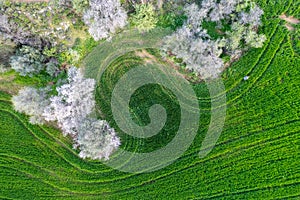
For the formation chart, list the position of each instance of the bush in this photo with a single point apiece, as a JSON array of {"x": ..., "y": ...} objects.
[
  {"x": 171, "y": 20},
  {"x": 27, "y": 61},
  {"x": 80, "y": 5},
  {"x": 144, "y": 18},
  {"x": 52, "y": 69},
  {"x": 4, "y": 68}
]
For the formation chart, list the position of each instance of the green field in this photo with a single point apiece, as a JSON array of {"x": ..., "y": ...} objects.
[{"x": 256, "y": 157}]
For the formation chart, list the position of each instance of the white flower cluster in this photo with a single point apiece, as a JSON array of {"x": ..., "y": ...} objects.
[
  {"x": 71, "y": 109},
  {"x": 199, "y": 51},
  {"x": 104, "y": 18}
]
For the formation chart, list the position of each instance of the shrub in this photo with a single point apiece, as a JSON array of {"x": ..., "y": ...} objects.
[
  {"x": 171, "y": 20},
  {"x": 80, "y": 5},
  {"x": 52, "y": 68},
  {"x": 27, "y": 61},
  {"x": 144, "y": 18},
  {"x": 4, "y": 68}
]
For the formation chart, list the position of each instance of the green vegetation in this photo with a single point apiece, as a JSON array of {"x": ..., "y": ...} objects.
[
  {"x": 144, "y": 18},
  {"x": 256, "y": 157},
  {"x": 5, "y": 52},
  {"x": 170, "y": 20},
  {"x": 39, "y": 24},
  {"x": 139, "y": 105}
]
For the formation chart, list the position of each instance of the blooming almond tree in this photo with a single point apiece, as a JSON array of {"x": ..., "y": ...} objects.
[
  {"x": 201, "y": 51},
  {"x": 104, "y": 17},
  {"x": 74, "y": 102},
  {"x": 32, "y": 102},
  {"x": 71, "y": 109},
  {"x": 96, "y": 139},
  {"x": 200, "y": 54}
]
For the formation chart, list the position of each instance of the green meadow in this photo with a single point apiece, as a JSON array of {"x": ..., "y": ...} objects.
[{"x": 256, "y": 157}]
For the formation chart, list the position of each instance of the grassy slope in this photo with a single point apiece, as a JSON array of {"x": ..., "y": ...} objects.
[{"x": 257, "y": 155}]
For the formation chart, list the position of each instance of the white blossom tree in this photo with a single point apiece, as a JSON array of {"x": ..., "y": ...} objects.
[
  {"x": 32, "y": 102},
  {"x": 74, "y": 102},
  {"x": 195, "y": 16},
  {"x": 254, "y": 40},
  {"x": 104, "y": 17},
  {"x": 234, "y": 37},
  {"x": 252, "y": 17},
  {"x": 220, "y": 10},
  {"x": 10, "y": 30},
  {"x": 202, "y": 54},
  {"x": 96, "y": 139},
  {"x": 71, "y": 108}
]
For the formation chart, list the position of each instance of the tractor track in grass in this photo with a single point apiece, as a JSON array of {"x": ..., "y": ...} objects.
[
  {"x": 197, "y": 163},
  {"x": 36, "y": 137},
  {"x": 256, "y": 62},
  {"x": 232, "y": 101},
  {"x": 38, "y": 178},
  {"x": 47, "y": 145},
  {"x": 241, "y": 152},
  {"x": 222, "y": 144},
  {"x": 161, "y": 177},
  {"x": 297, "y": 196},
  {"x": 254, "y": 190}
]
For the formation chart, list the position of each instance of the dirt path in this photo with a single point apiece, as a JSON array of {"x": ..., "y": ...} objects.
[
  {"x": 290, "y": 21},
  {"x": 150, "y": 59}
]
